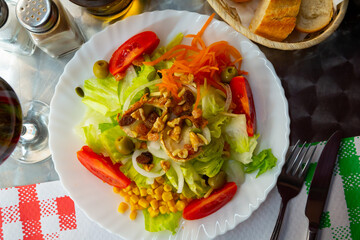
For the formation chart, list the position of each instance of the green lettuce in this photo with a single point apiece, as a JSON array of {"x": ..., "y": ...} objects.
[
  {"x": 166, "y": 64},
  {"x": 263, "y": 161},
  {"x": 107, "y": 139},
  {"x": 134, "y": 80},
  {"x": 209, "y": 162},
  {"x": 193, "y": 180},
  {"x": 242, "y": 146},
  {"x": 102, "y": 95},
  {"x": 129, "y": 170},
  {"x": 235, "y": 171},
  {"x": 162, "y": 222}
]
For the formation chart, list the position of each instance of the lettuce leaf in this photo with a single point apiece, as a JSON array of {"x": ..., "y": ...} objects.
[
  {"x": 242, "y": 146},
  {"x": 130, "y": 172},
  {"x": 194, "y": 181},
  {"x": 134, "y": 80},
  {"x": 235, "y": 171},
  {"x": 102, "y": 95},
  {"x": 263, "y": 162},
  {"x": 162, "y": 222},
  {"x": 107, "y": 139}
]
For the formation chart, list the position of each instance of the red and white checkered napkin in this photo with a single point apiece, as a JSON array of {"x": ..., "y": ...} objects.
[{"x": 44, "y": 211}]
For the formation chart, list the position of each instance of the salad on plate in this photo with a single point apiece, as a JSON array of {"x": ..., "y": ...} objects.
[{"x": 171, "y": 128}]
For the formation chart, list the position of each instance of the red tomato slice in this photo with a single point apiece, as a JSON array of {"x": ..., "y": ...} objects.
[
  {"x": 102, "y": 167},
  {"x": 144, "y": 42},
  {"x": 203, "y": 207},
  {"x": 243, "y": 98}
]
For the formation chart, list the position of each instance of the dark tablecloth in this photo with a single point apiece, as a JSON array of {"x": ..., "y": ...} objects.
[{"x": 322, "y": 83}]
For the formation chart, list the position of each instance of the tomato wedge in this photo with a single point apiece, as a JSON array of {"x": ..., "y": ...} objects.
[
  {"x": 144, "y": 42},
  {"x": 102, "y": 167},
  {"x": 243, "y": 98},
  {"x": 203, "y": 207}
]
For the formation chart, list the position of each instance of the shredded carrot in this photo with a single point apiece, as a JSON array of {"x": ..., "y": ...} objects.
[{"x": 205, "y": 63}]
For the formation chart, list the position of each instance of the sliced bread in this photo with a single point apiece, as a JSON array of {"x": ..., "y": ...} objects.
[
  {"x": 275, "y": 19},
  {"x": 314, "y": 15}
]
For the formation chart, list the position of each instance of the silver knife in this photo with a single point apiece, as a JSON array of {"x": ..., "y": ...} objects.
[{"x": 320, "y": 183}]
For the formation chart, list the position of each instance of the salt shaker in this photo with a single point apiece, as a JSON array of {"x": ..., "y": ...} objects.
[
  {"x": 50, "y": 26},
  {"x": 13, "y": 37}
]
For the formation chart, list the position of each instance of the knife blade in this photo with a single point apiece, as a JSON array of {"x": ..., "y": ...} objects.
[{"x": 320, "y": 183}]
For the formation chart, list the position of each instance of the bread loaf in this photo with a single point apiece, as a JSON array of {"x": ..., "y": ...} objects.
[
  {"x": 275, "y": 19},
  {"x": 314, "y": 15}
]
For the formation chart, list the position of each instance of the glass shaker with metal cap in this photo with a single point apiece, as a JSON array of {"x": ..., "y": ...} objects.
[
  {"x": 51, "y": 27},
  {"x": 13, "y": 37}
]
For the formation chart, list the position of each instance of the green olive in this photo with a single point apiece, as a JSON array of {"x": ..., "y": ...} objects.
[
  {"x": 124, "y": 145},
  {"x": 152, "y": 75},
  {"x": 188, "y": 122},
  {"x": 229, "y": 73},
  {"x": 80, "y": 92},
  {"x": 218, "y": 180},
  {"x": 101, "y": 69}
]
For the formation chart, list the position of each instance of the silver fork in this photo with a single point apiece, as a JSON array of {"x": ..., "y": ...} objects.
[{"x": 291, "y": 179}]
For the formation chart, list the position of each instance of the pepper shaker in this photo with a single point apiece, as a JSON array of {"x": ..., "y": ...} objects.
[
  {"x": 50, "y": 26},
  {"x": 13, "y": 37}
]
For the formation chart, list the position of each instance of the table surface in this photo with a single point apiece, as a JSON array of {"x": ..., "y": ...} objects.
[{"x": 321, "y": 83}]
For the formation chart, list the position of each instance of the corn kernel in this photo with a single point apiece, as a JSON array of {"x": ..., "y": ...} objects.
[
  {"x": 180, "y": 205},
  {"x": 160, "y": 180},
  {"x": 154, "y": 185},
  {"x": 173, "y": 209},
  {"x": 143, "y": 192},
  {"x": 163, "y": 209},
  {"x": 134, "y": 198},
  {"x": 142, "y": 202},
  {"x": 162, "y": 203},
  {"x": 171, "y": 203},
  {"x": 133, "y": 206},
  {"x": 128, "y": 188},
  {"x": 157, "y": 196},
  {"x": 182, "y": 196},
  {"x": 159, "y": 190},
  {"x": 133, "y": 215},
  {"x": 154, "y": 204},
  {"x": 130, "y": 192},
  {"x": 127, "y": 198},
  {"x": 123, "y": 207},
  {"x": 139, "y": 207},
  {"x": 136, "y": 191},
  {"x": 153, "y": 213},
  {"x": 149, "y": 198},
  {"x": 150, "y": 191},
  {"x": 116, "y": 190},
  {"x": 167, "y": 196},
  {"x": 122, "y": 193},
  {"x": 167, "y": 188}
]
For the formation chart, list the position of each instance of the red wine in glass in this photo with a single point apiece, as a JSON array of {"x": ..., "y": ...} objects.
[
  {"x": 10, "y": 120},
  {"x": 23, "y": 129}
]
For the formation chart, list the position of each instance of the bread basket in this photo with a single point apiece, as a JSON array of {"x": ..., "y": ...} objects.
[{"x": 230, "y": 15}]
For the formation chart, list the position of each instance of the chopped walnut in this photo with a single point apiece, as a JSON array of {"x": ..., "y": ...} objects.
[
  {"x": 175, "y": 134},
  {"x": 195, "y": 141},
  {"x": 183, "y": 153},
  {"x": 158, "y": 125},
  {"x": 174, "y": 122},
  {"x": 139, "y": 114},
  {"x": 197, "y": 113},
  {"x": 153, "y": 136},
  {"x": 148, "y": 167},
  {"x": 165, "y": 165}
]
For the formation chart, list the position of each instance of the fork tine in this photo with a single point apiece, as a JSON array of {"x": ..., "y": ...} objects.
[
  {"x": 291, "y": 153},
  {"x": 296, "y": 158},
  {"x": 307, "y": 164},
  {"x": 301, "y": 160}
]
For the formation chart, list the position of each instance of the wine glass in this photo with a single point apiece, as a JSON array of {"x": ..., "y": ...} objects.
[{"x": 24, "y": 133}]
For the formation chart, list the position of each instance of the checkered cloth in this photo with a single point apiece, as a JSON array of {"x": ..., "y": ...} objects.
[{"x": 45, "y": 211}]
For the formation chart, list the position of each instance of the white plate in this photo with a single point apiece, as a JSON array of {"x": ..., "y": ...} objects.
[{"x": 96, "y": 198}]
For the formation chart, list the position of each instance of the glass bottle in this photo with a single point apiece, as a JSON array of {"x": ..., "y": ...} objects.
[
  {"x": 51, "y": 27},
  {"x": 13, "y": 37}
]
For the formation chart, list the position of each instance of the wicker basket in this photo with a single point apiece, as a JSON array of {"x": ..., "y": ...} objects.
[{"x": 230, "y": 15}]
